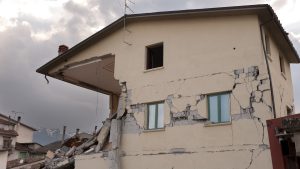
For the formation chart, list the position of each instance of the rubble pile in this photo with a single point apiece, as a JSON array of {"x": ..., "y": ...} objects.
[{"x": 64, "y": 157}]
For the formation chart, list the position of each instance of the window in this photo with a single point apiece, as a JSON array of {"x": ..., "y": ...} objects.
[
  {"x": 281, "y": 63},
  {"x": 267, "y": 43},
  {"x": 23, "y": 155},
  {"x": 155, "y": 56},
  {"x": 7, "y": 142},
  {"x": 219, "y": 108},
  {"x": 289, "y": 111},
  {"x": 155, "y": 116}
]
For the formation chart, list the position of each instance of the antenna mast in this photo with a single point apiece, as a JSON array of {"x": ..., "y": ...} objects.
[{"x": 126, "y": 8}]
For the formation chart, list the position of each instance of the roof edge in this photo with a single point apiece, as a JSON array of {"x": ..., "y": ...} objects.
[
  {"x": 13, "y": 120},
  {"x": 116, "y": 24},
  {"x": 284, "y": 33}
]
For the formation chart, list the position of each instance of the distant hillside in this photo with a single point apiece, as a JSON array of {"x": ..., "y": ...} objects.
[{"x": 45, "y": 136}]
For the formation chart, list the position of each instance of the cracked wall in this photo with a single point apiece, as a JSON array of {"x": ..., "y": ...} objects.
[
  {"x": 216, "y": 60},
  {"x": 188, "y": 134}
]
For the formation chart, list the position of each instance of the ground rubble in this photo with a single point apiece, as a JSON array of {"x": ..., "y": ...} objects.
[{"x": 64, "y": 157}]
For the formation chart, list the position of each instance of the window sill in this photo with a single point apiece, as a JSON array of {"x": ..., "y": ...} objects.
[
  {"x": 150, "y": 70},
  {"x": 153, "y": 130},
  {"x": 209, "y": 124},
  {"x": 283, "y": 75}
]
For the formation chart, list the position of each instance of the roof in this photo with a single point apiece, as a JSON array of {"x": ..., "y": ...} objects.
[
  {"x": 7, "y": 122},
  {"x": 15, "y": 121},
  {"x": 26, "y": 146},
  {"x": 12, "y": 133},
  {"x": 265, "y": 11},
  {"x": 52, "y": 147}
]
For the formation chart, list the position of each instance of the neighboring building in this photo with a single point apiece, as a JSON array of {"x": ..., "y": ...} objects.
[
  {"x": 13, "y": 133},
  {"x": 197, "y": 86},
  {"x": 7, "y": 140},
  {"x": 3, "y": 158},
  {"x": 26, "y": 150}
]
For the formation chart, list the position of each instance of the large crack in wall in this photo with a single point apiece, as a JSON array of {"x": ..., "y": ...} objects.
[
  {"x": 249, "y": 80},
  {"x": 253, "y": 82}
]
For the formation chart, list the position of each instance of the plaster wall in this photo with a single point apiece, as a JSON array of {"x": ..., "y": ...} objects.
[
  {"x": 282, "y": 83},
  {"x": 3, "y": 159},
  {"x": 201, "y": 56},
  {"x": 92, "y": 161},
  {"x": 25, "y": 134}
]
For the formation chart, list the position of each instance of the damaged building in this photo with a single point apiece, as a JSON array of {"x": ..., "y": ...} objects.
[{"x": 187, "y": 88}]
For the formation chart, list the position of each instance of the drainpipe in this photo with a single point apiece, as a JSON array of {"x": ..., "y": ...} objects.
[{"x": 267, "y": 63}]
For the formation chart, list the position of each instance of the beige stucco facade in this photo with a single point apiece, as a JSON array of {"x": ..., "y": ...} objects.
[
  {"x": 201, "y": 56},
  {"x": 3, "y": 159},
  {"x": 25, "y": 134}
]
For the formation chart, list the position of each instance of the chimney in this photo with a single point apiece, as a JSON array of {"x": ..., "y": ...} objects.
[
  {"x": 19, "y": 119},
  {"x": 63, "y": 135},
  {"x": 62, "y": 49},
  {"x": 77, "y": 131}
]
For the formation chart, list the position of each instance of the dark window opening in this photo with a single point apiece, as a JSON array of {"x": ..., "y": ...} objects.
[
  {"x": 7, "y": 142},
  {"x": 155, "y": 56},
  {"x": 289, "y": 111}
]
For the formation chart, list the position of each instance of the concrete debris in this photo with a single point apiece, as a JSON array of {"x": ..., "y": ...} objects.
[
  {"x": 64, "y": 156},
  {"x": 50, "y": 155},
  {"x": 71, "y": 151},
  {"x": 90, "y": 150},
  {"x": 105, "y": 141},
  {"x": 102, "y": 136},
  {"x": 122, "y": 101}
]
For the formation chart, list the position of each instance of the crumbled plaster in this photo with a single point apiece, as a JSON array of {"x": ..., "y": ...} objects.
[
  {"x": 245, "y": 82},
  {"x": 190, "y": 115},
  {"x": 130, "y": 125}
]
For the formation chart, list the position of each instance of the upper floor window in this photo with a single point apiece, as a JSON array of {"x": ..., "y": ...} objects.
[
  {"x": 7, "y": 141},
  {"x": 281, "y": 63},
  {"x": 155, "y": 116},
  {"x": 289, "y": 111},
  {"x": 154, "y": 56},
  {"x": 219, "y": 108}
]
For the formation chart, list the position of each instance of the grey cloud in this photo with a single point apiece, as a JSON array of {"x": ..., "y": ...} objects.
[
  {"x": 39, "y": 24},
  {"x": 278, "y": 4},
  {"x": 23, "y": 90}
]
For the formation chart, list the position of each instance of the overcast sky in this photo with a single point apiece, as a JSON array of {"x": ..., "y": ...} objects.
[{"x": 31, "y": 30}]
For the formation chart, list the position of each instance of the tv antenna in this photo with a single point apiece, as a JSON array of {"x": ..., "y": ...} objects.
[{"x": 126, "y": 9}]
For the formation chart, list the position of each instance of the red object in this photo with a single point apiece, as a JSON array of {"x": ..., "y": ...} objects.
[
  {"x": 276, "y": 152},
  {"x": 62, "y": 49}
]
